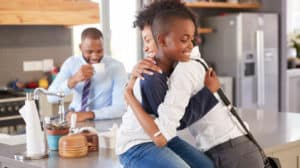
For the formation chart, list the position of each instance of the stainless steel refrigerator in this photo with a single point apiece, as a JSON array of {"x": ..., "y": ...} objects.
[{"x": 245, "y": 46}]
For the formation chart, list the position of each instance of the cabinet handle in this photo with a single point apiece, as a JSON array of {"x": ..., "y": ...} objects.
[{"x": 297, "y": 163}]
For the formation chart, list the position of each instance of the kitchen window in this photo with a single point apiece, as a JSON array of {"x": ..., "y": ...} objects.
[
  {"x": 121, "y": 40},
  {"x": 293, "y": 16}
]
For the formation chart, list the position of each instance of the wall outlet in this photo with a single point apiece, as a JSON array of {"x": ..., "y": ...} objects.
[
  {"x": 48, "y": 65},
  {"x": 32, "y": 65}
]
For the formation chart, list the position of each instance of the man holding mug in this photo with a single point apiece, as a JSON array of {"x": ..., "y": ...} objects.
[{"x": 96, "y": 81}]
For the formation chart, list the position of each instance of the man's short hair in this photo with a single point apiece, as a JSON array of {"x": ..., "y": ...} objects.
[
  {"x": 146, "y": 16},
  {"x": 92, "y": 33}
]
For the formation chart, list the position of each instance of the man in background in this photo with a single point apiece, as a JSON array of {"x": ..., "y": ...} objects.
[{"x": 95, "y": 81}]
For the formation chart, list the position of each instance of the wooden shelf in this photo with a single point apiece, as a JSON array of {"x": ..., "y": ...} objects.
[
  {"x": 223, "y": 5},
  {"x": 48, "y": 12},
  {"x": 205, "y": 30}
]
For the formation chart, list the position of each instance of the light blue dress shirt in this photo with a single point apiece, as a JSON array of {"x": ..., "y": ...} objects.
[{"x": 106, "y": 98}]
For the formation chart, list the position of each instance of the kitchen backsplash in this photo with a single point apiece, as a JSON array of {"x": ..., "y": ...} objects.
[{"x": 31, "y": 43}]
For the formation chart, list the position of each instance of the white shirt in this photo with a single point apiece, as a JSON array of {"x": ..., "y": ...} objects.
[
  {"x": 186, "y": 80},
  {"x": 131, "y": 133},
  {"x": 218, "y": 125},
  {"x": 104, "y": 95}
]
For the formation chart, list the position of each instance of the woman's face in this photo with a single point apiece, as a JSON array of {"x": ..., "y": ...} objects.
[{"x": 149, "y": 44}]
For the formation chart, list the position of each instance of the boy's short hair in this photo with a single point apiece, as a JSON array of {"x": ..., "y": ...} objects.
[
  {"x": 165, "y": 19},
  {"x": 92, "y": 33},
  {"x": 146, "y": 16}
]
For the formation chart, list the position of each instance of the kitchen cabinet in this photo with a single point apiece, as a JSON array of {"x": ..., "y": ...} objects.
[
  {"x": 293, "y": 90},
  {"x": 288, "y": 155},
  {"x": 224, "y": 5},
  {"x": 205, "y": 30},
  {"x": 48, "y": 12}
]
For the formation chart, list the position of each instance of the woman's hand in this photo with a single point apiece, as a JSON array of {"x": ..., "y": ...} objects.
[
  {"x": 211, "y": 81},
  {"x": 130, "y": 99},
  {"x": 160, "y": 141},
  {"x": 145, "y": 66}
]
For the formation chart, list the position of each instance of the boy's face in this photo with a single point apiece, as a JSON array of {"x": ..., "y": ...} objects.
[
  {"x": 177, "y": 44},
  {"x": 149, "y": 44},
  {"x": 92, "y": 50}
]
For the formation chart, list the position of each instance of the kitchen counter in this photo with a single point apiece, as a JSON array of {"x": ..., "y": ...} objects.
[
  {"x": 274, "y": 131},
  {"x": 104, "y": 158}
]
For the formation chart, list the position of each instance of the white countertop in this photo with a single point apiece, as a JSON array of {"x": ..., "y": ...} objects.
[
  {"x": 272, "y": 130},
  {"x": 293, "y": 72}
]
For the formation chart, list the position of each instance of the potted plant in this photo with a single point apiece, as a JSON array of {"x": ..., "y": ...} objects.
[{"x": 294, "y": 42}]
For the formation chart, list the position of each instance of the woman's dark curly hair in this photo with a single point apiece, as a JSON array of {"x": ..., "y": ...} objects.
[{"x": 146, "y": 16}]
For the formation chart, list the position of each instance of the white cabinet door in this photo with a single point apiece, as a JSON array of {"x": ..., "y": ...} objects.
[
  {"x": 293, "y": 90},
  {"x": 288, "y": 158}
]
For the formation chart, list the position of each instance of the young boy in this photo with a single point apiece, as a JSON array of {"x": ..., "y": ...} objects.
[
  {"x": 200, "y": 103},
  {"x": 218, "y": 133},
  {"x": 174, "y": 34}
]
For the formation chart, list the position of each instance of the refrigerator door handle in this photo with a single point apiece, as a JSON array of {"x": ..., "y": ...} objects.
[{"x": 260, "y": 73}]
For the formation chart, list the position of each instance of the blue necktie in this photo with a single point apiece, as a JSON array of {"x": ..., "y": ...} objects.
[{"x": 85, "y": 95}]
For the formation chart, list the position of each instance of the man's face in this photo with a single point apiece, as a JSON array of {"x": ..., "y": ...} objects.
[
  {"x": 92, "y": 50},
  {"x": 149, "y": 44}
]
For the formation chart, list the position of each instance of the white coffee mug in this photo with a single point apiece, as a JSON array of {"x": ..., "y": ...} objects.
[{"x": 99, "y": 68}]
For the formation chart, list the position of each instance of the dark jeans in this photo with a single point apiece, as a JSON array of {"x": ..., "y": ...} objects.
[
  {"x": 177, "y": 154},
  {"x": 236, "y": 153}
]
